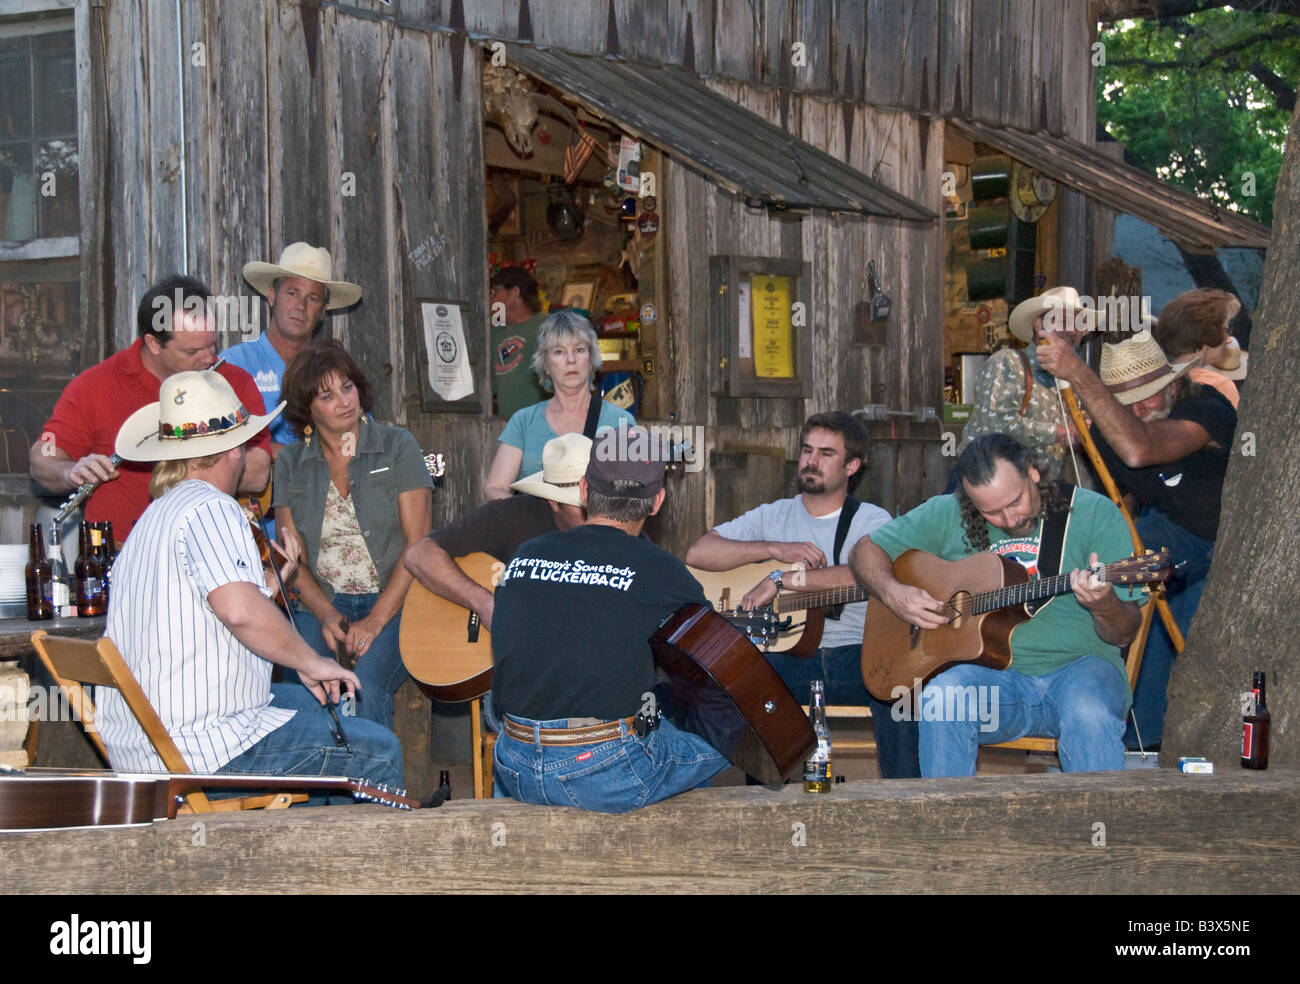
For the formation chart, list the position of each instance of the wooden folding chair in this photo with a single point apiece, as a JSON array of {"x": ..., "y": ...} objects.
[
  {"x": 75, "y": 663},
  {"x": 1132, "y": 664}
]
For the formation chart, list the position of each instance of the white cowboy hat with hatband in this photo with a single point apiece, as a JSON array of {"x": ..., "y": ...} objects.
[
  {"x": 564, "y": 461},
  {"x": 197, "y": 414},
  {"x": 1051, "y": 305},
  {"x": 308, "y": 262},
  {"x": 1137, "y": 368}
]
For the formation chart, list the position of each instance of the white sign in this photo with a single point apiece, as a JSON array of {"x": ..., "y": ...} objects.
[
  {"x": 444, "y": 341},
  {"x": 746, "y": 332}
]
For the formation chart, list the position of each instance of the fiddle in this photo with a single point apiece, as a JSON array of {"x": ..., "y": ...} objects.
[{"x": 257, "y": 520}]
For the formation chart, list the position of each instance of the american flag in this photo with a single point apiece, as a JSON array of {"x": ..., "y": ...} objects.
[{"x": 577, "y": 154}]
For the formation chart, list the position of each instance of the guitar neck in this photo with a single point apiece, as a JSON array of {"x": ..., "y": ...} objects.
[
  {"x": 846, "y": 594},
  {"x": 1021, "y": 594},
  {"x": 179, "y": 785}
]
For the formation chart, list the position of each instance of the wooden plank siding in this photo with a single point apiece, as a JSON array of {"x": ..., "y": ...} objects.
[{"x": 275, "y": 119}]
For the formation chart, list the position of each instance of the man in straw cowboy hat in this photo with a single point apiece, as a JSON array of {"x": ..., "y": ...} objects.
[
  {"x": 497, "y": 528},
  {"x": 1016, "y": 395},
  {"x": 190, "y": 613},
  {"x": 549, "y": 502},
  {"x": 177, "y": 333},
  {"x": 1166, "y": 442},
  {"x": 299, "y": 290}
]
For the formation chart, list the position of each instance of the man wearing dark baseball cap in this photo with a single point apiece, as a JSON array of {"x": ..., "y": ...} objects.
[{"x": 573, "y": 614}]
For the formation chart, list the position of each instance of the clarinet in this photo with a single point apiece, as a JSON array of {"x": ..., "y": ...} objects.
[{"x": 80, "y": 496}]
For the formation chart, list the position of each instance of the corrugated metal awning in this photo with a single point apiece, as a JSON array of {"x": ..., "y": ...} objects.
[
  {"x": 1188, "y": 220},
  {"x": 738, "y": 149}
]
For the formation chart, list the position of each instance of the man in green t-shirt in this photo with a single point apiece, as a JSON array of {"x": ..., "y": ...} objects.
[
  {"x": 516, "y": 316},
  {"x": 1067, "y": 678}
]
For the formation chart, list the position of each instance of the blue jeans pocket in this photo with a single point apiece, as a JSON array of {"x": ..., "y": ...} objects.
[{"x": 608, "y": 781}]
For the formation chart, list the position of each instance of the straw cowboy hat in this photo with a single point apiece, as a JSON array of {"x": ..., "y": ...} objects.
[
  {"x": 197, "y": 414},
  {"x": 564, "y": 461},
  {"x": 1233, "y": 363},
  {"x": 1058, "y": 301},
  {"x": 308, "y": 262},
  {"x": 1137, "y": 368}
]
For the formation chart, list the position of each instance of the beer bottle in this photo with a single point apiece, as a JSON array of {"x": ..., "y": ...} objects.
[
  {"x": 40, "y": 578},
  {"x": 1254, "y": 735},
  {"x": 88, "y": 576},
  {"x": 59, "y": 573},
  {"x": 106, "y": 555},
  {"x": 817, "y": 769}
]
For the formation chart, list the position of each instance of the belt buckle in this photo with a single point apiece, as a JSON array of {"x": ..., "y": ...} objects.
[{"x": 644, "y": 723}]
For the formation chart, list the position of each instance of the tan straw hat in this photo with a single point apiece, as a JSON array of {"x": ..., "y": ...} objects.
[
  {"x": 564, "y": 461},
  {"x": 197, "y": 413},
  {"x": 1059, "y": 308},
  {"x": 1234, "y": 362},
  {"x": 1137, "y": 368},
  {"x": 308, "y": 262}
]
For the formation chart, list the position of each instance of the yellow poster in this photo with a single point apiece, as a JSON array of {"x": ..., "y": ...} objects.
[{"x": 773, "y": 341}]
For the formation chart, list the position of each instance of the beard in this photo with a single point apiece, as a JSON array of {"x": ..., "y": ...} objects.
[
  {"x": 812, "y": 483},
  {"x": 1023, "y": 529}
]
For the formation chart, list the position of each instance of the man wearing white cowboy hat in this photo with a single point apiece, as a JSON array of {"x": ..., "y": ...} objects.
[
  {"x": 190, "y": 613},
  {"x": 549, "y": 502},
  {"x": 298, "y": 290},
  {"x": 1166, "y": 442},
  {"x": 1016, "y": 395}
]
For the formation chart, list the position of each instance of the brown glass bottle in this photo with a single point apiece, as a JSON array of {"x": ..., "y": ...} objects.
[
  {"x": 107, "y": 554},
  {"x": 89, "y": 576},
  {"x": 40, "y": 578},
  {"x": 1254, "y": 733}
]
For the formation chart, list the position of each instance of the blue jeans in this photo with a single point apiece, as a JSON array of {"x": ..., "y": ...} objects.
[
  {"x": 304, "y": 746},
  {"x": 1150, "y": 696},
  {"x": 612, "y": 776},
  {"x": 380, "y": 669},
  {"x": 841, "y": 669},
  {"x": 1082, "y": 705}
]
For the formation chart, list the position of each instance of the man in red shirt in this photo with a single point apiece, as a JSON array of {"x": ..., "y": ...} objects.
[{"x": 177, "y": 334}]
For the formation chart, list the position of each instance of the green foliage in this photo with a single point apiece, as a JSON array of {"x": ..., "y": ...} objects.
[{"x": 1187, "y": 99}]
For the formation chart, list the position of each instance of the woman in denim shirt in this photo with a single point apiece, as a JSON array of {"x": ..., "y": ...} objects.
[{"x": 356, "y": 493}]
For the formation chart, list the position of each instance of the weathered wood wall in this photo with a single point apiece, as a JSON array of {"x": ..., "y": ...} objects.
[
  {"x": 359, "y": 125},
  {"x": 1163, "y": 832}
]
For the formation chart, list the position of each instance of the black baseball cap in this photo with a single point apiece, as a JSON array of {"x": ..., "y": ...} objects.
[{"x": 630, "y": 460}]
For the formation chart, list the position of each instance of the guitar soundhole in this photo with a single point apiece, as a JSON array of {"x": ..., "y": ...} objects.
[{"x": 959, "y": 609}]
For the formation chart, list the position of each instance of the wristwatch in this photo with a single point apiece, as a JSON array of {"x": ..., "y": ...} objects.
[{"x": 775, "y": 578}]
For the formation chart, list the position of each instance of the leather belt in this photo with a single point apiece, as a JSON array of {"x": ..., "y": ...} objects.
[{"x": 590, "y": 735}]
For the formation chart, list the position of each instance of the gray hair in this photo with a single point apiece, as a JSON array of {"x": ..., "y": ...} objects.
[{"x": 557, "y": 329}]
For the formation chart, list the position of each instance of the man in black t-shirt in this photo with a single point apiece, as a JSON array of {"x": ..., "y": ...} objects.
[
  {"x": 497, "y": 528},
  {"x": 1166, "y": 442},
  {"x": 573, "y": 617}
]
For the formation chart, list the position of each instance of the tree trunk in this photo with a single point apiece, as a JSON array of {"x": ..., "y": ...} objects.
[{"x": 1249, "y": 617}]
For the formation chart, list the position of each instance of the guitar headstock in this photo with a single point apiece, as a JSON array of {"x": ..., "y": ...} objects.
[
  {"x": 396, "y": 798},
  {"x": 1154, "y": 565},
  {"x": 435, "y": 462}
]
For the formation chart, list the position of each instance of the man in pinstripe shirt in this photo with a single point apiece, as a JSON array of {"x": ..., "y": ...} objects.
[{"x": 189, "y": 611}]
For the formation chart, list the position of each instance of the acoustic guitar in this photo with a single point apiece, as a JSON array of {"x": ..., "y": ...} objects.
[
  {"x": 445, "y": 647},
  {"x": 773, "y": 628},
  {"x": 986, "y": 597},
  {"x": 53, "y": 800},
  {"x": 714, "y": 683}
]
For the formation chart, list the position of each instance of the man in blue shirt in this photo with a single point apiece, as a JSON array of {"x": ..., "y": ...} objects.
[{"x": 298, "y": 290}]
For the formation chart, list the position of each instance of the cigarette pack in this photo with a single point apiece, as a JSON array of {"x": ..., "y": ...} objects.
[{"x": 1194, "y": 763}]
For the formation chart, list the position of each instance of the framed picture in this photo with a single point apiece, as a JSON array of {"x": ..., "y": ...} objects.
[{"x": 578, "y": 294}]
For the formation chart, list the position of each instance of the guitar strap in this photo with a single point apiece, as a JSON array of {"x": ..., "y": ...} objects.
[
  {"x": 1052, "y": 545},
  {"x": 593, "y": 417},
  {"x": 841, "y": 534}
]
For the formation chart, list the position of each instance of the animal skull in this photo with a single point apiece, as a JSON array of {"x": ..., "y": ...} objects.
[{"x": 508, "y": 101}]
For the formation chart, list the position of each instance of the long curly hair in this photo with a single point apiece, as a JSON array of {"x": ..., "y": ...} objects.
[{"x": 977, "y": 465}]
